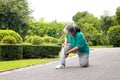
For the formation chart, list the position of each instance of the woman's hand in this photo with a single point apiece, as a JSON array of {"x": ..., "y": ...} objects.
[{"x": 63, "y": 45}]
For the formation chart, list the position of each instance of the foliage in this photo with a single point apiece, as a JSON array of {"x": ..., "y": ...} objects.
[
  {"x": 41, "y": 28},
  {"x": 38, "y": 28},
  {"x": 11, "y": 52},
  {"x": 91, "y": 34},
  {"x": 36, "y": 40},
  {"x": 8, "y": 40},
  {"x": 14, "y": 15},
  {"x": 55, "y": 29},
  {"x": 104, "y": 38},
  {"x": 4, "y": 33},
  {"x": 49, "y": 39},
  {"x": 28, "y": 39},
  {"x": 118, "y": 14},
  {"x": 31, "y": 51},
  {"x": 14, "y": 52},
  {"x": 114, "y": 36},
  {"x": 107, "y": 21},
  {"x": 81, "y": 18}
]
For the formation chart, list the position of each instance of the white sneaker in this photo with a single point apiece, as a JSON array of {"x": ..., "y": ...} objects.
[{"x": 60, "y": 66}]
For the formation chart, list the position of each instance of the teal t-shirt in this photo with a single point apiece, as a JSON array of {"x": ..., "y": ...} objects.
[{"x": 78, "y": 40}]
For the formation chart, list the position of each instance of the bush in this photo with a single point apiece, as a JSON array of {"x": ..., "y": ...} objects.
[
  {"x": 47, "y": 39},
  {"x": 8, "y": 40},
  {"x": 28, "y": 39},
  {"x": 54, "y": 40},
  {"x": 11, "y": 52},
  {"x": 14, "y": 52},
  {"x": 39, "y": 51},
  {"x": 36, "y": 40},
  {"x": 50, "y": 39},
  {"x": 114, "y": 36},
  {"x": 12, "y": 33}
]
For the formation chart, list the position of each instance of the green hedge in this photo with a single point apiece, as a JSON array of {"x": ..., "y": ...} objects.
[
  {"x": 14, "y": 52},
  {"x": 12, "y": 33},
  {"x": 32, "y": 51},
  {"x": 9, "y": 40},
  {"x": 11, "y": 52}
]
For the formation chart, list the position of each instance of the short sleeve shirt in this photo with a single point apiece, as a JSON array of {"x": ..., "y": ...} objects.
[{"x": 78, "y": 40}]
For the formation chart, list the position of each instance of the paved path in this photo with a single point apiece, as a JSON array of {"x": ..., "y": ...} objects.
[{"x": 104, "y": 65}]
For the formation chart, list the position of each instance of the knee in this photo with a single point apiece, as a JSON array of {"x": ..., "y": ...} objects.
[{"x": 83, "y": 65}]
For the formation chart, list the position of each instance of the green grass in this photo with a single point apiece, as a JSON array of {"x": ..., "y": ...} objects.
[
  {"x": 106, "y": 46},
  {"x": 8, "y": 65}
]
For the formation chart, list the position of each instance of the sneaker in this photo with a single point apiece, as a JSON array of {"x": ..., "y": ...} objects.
[{"x": 60, "y": 66}]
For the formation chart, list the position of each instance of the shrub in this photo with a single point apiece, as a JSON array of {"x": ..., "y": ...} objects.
[
  {"x": 47, "y": 39},
  {"x": 36, "y": 40},
  {"x": 8, "y": 40},
  {"x": 90, "y": 43},
  {"x": 62, "y": 39},
  {"x": 114, "y": 36},
  {"x": 54, "y": 40},
  {"x": 12, "y": 33},
  {"x": 50, "y": 39},
  {"x": 28, "y": 39},
  {"x": 39, "y": 51},
  {"x": 11, "y": 52},
  {"x": 14, "y": 52}
]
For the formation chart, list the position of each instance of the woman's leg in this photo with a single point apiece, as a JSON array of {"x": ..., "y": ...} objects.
[
  {"x": 63, "y": 55},
  {"x": 83, "y": 59}
]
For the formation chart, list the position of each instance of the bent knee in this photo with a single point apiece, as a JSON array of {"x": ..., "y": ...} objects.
[{"x": 84, "y": 65}]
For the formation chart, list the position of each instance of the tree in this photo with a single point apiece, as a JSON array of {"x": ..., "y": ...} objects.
[
  {"x": 118, "y": 15},
  {"x": 114, "y": 36},
  {"x": 14, "y": 14},
  {"x": 107, "y": 21},
  {"x": 38, "y": 28},
  {"x": 81, "y": 18},
  {"x": 55, "y": 29},
  {"x": 41, "y": 28},
  {"x": 91, "y": 33}
]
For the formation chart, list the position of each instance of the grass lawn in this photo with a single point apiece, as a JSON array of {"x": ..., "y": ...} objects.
[
  {"x": 9, "y": 65},
  {"x": 107, "y": 46}
]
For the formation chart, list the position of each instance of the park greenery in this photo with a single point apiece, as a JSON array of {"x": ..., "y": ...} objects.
[{"x": 19, "y": 28}]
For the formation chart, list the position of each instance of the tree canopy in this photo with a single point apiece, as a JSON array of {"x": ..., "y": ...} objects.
[{"x": 14, "y": 14}]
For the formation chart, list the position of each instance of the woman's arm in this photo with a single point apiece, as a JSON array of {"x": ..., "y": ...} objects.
[
  {"x": 72, "y": 50},
  {"x": 65, "y": 42}
]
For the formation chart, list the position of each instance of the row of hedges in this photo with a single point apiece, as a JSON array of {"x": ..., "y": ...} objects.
[{"x": 14, "y": 52}]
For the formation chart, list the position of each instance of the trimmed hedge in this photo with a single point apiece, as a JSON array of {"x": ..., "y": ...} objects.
[
  {"x": 14, "y": 52},
  {"x": 12, "y": 33},
  {"x": 8, "y": 40},
  {"x": 35, "y": 51},
  {"x": 11, "y": 52}
]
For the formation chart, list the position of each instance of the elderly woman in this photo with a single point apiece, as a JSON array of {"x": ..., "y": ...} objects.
[{"x": 74, "y": 43}]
